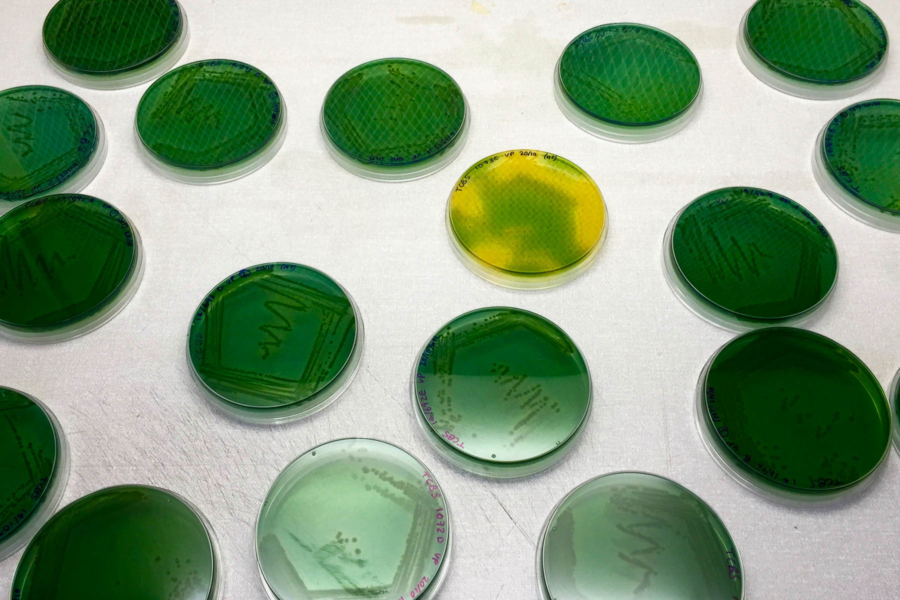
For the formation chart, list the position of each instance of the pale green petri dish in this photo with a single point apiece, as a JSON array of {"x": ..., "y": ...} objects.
[
  {"x": 354, "y": 518},
  {"x": 894, "y": 399}
]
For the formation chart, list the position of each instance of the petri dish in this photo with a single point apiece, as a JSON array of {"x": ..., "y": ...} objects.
[
  {"x": 526, "y": 219},
  {"x": 210, "y": 122},
  {"x": 636, "y": 535},
  {"x": 857, "y": 162},
  {"x": 113, "y": 44},
  {"x": 815, "y": 49},
  {"x": 793, "y": 415},
  {"x": 743, "y": 258},
  {"x": 394, "y": 119},
  {"x": 51, "y": 142},
  {"x": 34, "y": 460},
  {"x": 501, "y": 392},
  {"x": 129, "y": 541},
  {"x": 354, "y": 518},
  {"x": 275, "y": 343},
  {"x": 68, "y": 264},
  {"x": 894, "y": 399},
  {"x": 628, "y": 83}
]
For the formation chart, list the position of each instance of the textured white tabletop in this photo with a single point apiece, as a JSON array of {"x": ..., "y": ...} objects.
[{"x": 133, "y": 415}]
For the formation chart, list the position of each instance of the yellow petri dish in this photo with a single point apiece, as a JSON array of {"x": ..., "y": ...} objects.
[{"x": 527, "y": 219}]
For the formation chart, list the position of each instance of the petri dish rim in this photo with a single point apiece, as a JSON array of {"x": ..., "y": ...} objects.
[{"x": 894, "y": 401}]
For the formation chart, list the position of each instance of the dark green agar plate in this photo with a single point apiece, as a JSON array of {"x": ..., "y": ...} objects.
[
  {"x": 51, "y": 142},
  {"x": 354, "y": 518},
  {"x": 816, "y": 49},
  {"x": 109, "y": 44},
  {"x": 628, "y": 82},
  {"x": 122, "y": 542},
  {"x": 793, "y": 415},
  {"x": 501, "y": 392},
  {"x": 394, "y": 119},
  {"x": 636, "y": 535},
  {"x": 275, "y": 343},
  {"x": 68, "y": 264},
  {"x": 211, "y": 121},
  {"x": 742, "y": 258},
  {"x": 857, "y": 162},
  {"x": 34, "y": 461}
]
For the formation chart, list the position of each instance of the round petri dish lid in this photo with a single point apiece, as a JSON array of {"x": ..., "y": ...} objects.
[
  {"x": 628, "y": 535},
  {"x": 818, "y": 49},
  {"x": 526, "y": 219},
  {"x": 628, "y": 82},
  {"x": 793, "y": 415},
  {"x": 745, "y": 257},
  {"x": 210, "y": 121},
  {"x": 122, "y": 542},
  {"x": 51, "y": 142},
  {"x": 34, "y": 460},
  {"x": 275, "y": 342},
  {"x": 110, "y": 44},
  {"x": 894, "y": 399},
  {"x": 503, "y": 386},
  {"x": 354, "y": 517},
  {"x": 73, "y": 262},
  {"x": 857, "y": 162},
  {"x": 394, "y": 119}
]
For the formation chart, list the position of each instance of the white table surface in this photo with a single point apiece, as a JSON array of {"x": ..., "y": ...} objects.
[{"x": 132, "y": 414}]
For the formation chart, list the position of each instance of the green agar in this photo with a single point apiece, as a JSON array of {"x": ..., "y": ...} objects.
[
  {"x": 354, "y": 518},
  {"x": 623, "y": 80},
  {"x": 34, "y": 461},
  {"x": 858, "y": 161},
  {"x": 121, "y": 542},
  {"x": 793, "y": 414},
  {"x": 211, "y": 121},
  {"x": 128, "y": 41},
  {"x": 501, "y": 392},
  {"x": 275, "y": 342},
  {"x": 50, "y": 142},
  {"x": 394, "y": 119},
  {"x": 744, "y": 257},
  {"x": 805, "y": 47},
  {"x": 636, "y": 535},
  {"x": 68, "y": 263}
]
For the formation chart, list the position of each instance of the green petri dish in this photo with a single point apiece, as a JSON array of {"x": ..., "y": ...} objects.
[
  {"x": 394, "y": 119},
  {"x": 857, "y": 162},
  {"x": 34, "y": 460},
  {"x": 743, "y": 258},
  {"x": 526, "y": 219},
  {"x": 51, "y": 142},
  {"x": 894, "y": 399},
  {"x": 210, "y": 122},
  {"x": 111, "y": 44},
  {"x": 128, "y": 541},
  {"x": 793, "y": 415},
  {"x": 636, "y": 535},
  {"x": 354, "y": 518},
  {"x": 628, "y": 83},
  {"x": 68, "y": 264},
  {"x": 275, "y": 343},
  {"x": 815, "y": 49},
  {"x": 501, "y": 392}
]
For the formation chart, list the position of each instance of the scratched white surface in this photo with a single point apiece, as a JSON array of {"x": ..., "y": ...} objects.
[{"x": 132, "y": 413}]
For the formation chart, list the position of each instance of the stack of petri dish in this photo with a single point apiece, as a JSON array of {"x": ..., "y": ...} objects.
[
  {"x": 501, "y": 392},
  {"x": 636, "y": 535},
  {"x": 395, "y": 119},
  {"x": 354, "y": 518},
  {"x": 743, "y": 258},
  {"x": 815, "y": 49},
  {"x": 34, "y": 460},
  {"x": 793, "y": 415},
  {"x": 526, "y": 219},
  {"x": 857, "y": 162},
  {"x": 628, "y": 83},
  {"x": 275, "y": 343}
]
